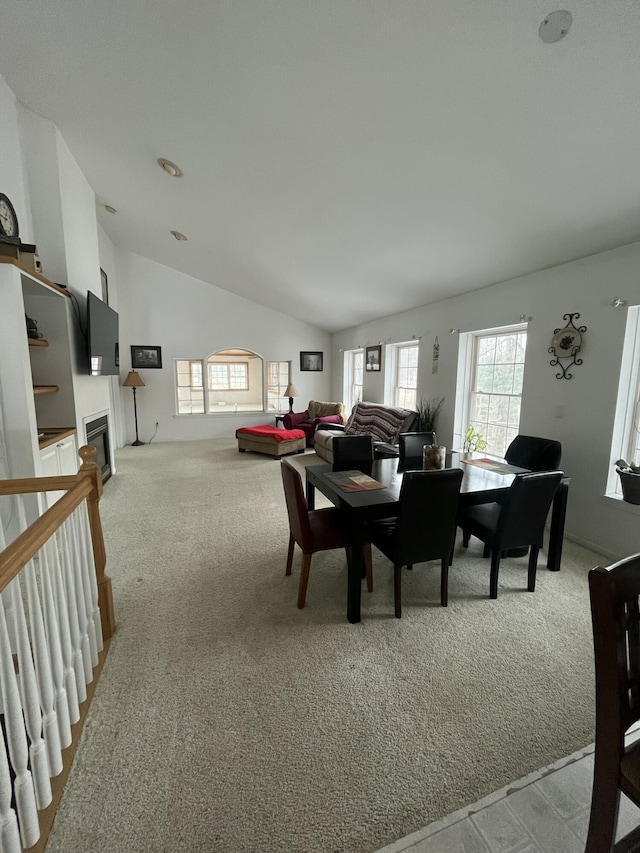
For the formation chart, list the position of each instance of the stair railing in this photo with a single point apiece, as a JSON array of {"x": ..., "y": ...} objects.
[{"x": 56, "y": 621}]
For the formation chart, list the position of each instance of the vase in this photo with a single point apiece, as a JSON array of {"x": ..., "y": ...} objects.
[
  {"x": 630, "y": 486},
  {"x": 433, "y": 457}
]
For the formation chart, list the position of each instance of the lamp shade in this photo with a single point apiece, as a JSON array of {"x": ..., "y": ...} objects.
[
  {"x": 133, "y": 380},
  {"x": 291, "y": 391}
]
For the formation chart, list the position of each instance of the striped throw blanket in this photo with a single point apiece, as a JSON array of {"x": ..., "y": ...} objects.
[{"x": 384, "y": 423}]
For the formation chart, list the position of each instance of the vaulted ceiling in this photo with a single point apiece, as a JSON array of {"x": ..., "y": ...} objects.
[{"x": 343, "y": 159}]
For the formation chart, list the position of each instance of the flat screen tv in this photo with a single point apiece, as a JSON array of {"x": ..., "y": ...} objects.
[{"x": 102, "y": 338}]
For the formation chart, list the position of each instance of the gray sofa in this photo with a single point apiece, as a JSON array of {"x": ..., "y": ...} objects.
[{"x": 384, "y": 423}]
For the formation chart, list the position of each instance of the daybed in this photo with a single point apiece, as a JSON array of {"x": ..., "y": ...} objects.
[
  {"x": 268, "y": 439},
  {"x": 384, "y": 423}
]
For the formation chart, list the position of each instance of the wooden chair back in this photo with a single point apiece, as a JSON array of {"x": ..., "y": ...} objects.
[{"x": 615, "y": 614}]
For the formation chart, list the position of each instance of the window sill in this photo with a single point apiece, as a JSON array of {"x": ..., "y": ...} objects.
[
  {"x": 611, "y": 498},
  {"x": 221, "y": 414}
]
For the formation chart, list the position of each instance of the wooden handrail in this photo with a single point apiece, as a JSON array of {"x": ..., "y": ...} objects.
[
  {"x": 16, "y": 555},
  {"x": 86, "y": 484}
]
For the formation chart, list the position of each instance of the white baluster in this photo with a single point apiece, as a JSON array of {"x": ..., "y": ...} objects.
[
  {"x": 66, "y": 643},
  {"x": 93, "y": 577},
  {"x": 72, "y": 610},
  {"x": 9, "y": 834},
  {"x": 44, "y": 677},
  {"x": 91, "y": 582},
  {"x": 30, "y": 696},
  {"x": 17, "y": 742},
  {"x": 54, "y": 632},
  {"x": 87, "y": 634}
]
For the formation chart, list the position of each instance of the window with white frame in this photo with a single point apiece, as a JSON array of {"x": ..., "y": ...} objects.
[
  {"x": 189, "y": 387},
  {"x": 493, "y": 385},
  {"x": 626, "y": 431},
  {"x": 227, "y": 382},
  {"x": 225, "y": 376},
  {"x": 405, "y": 388},
  {"x": 278, "y": 377},
  {"x": 353, "y": 378}
]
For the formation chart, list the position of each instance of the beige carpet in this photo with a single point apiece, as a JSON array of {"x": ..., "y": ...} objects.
[{"x": 228, "y": 720}]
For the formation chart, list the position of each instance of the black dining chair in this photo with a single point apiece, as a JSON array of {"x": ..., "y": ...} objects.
[
  {"x": 410, "y": 446},
  {"x": 536, "y": 454},
  {"x": 615, "y": 617},
  {"x": 313, "y": 530},
  {"x": 353, "y": 451},
  {"x": 516, "y": 522},
  {"x": 424, "y": 529}
]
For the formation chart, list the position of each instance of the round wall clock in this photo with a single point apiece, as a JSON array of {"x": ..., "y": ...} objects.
[{"x": 8, "y": 219}]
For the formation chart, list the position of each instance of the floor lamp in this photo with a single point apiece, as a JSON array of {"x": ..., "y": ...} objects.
[{"x": 134, "y": 381}]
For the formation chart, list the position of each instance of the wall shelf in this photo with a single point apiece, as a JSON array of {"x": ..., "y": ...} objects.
[
  {"x": 34, "y": 342},
  {"x": 45, "y": 389}
]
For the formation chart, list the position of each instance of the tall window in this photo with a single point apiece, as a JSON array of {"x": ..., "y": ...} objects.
[
  {"x": 626, "y": 431},
  {"x": 353, "y": 378},
  {"x": 406, "y": 375},
  {"x": 189, "y": 387},
  {"x": 495, "y": 385},
  {"x": 278, "y": 373}
]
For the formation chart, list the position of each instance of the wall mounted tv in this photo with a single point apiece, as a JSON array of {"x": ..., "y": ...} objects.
[{"x": 102, "y": 338}]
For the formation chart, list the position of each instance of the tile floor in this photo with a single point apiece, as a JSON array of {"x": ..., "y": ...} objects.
[{"x": 546, "y": 812}]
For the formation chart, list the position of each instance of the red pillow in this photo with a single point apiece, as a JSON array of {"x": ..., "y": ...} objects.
[
  {"x": 291, "y": 420},
  {"x": 330, "y": 419}
]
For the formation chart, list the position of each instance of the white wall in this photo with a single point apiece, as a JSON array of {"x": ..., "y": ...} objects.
[
  {"x": 12, "y": 167},
  {"x": 578, "y": 412},
  {"x": 189, "y": 318}
]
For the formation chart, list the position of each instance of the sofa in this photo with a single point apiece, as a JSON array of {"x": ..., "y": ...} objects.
[
  {"x": 383, "y": 423},
  {"x": 315, "y": 414}
]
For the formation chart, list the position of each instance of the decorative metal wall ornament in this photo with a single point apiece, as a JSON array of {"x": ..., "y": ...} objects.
[{"x": 567, "y": 343}]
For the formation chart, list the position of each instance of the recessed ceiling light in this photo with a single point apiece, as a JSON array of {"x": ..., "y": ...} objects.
[
  {"x": 555, "y": 26},
  {"x": 179, "y": 236},
  {"x": 170, "y": 168},
  {"x": 110, "y": 209}
]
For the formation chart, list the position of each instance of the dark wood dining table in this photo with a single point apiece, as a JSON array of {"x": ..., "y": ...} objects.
[{"x": 480, "y": 484}]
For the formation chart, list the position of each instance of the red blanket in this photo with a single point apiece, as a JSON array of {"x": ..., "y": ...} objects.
[{"x": 265, "y": 430}]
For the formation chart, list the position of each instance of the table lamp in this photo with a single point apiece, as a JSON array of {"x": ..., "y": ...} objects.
[
  {"x": 291, "y": 391},
  {"x": 134, "y": 381}
]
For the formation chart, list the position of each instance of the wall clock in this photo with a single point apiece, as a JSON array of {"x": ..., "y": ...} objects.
[
  {"x": 566, "y": 343},
  {"x": 9, "y": 230}
]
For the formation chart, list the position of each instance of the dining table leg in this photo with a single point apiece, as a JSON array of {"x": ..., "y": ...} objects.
[
  {"x": 355, "y": 571},
  {"x": 556, "y": 530},
  {"x": 311, "y": 494}
]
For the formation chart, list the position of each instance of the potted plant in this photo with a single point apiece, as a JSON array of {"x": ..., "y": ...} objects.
[
  {"x": 473, "y": 441},
  {"x": 428, "y": 411},
  {"x": 629, "y": 474}
]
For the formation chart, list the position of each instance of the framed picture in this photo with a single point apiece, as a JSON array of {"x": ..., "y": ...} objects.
[
  {"x": 373, "y": 357},
  {"x": 105, "y": 286},
  {"x": 310, "y": 361},
  {"x": 146, "y": 357}
]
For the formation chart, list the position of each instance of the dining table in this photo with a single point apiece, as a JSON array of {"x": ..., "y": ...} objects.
[{"x": 485, "y": 481}]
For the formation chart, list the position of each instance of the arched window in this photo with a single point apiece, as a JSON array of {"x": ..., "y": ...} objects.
[{"x": 234, "y": 381}]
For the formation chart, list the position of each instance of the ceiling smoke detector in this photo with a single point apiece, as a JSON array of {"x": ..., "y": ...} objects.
[
  {"x": 170, "y": 168},
  {"x": 555, "y": 26},
  {"x": 179, "y": 236}
]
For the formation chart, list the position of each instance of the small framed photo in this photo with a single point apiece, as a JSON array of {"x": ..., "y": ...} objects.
[
  {"x": 146, "y": 358},
  {"x": 311, "y": 361},
  {"x": 105, "y": 286},
  {"x": 373, "y": 358}
]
